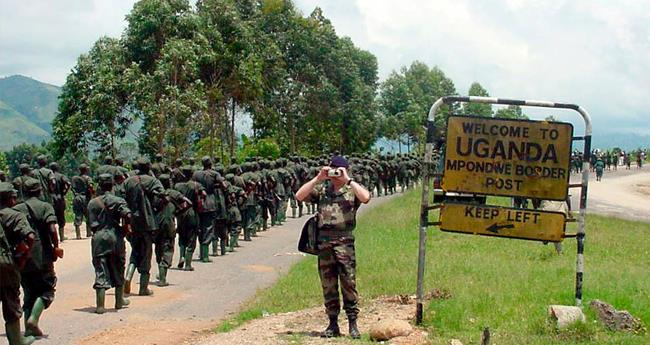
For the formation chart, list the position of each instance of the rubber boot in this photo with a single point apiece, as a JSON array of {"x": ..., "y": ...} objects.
[
  {"x": 300, "y": 211},
  {"x": 253, "y": 229},
  {"x": 222, "y": 246},
  {"x": 215, "y": 245},
  {"x": 14, "y": 336},
  {"x": 120, "y": 301},
  {"x": 130, "y": 270},
  {"x": 265, "y": 225},
  {"x": 231, "y": 245},
  {"x": 188, "y": 260},
  {"x": 144, "y": 285},
  {"x": 31, "y": 324},
  {"x": 162, "y": 276},
  {"x": 181, "y": 261},
  {"x": 332, "y": 329},
  {"x": 354, "y": 330},
  {"x": 293, "y": 212},
  {"x": 100, "y": 297},
  {"x": 247, "y": 235},
  {"x": 88, "y": 233},
  {"x": 205, "y": 249},
  {"x": 77, "y": 231}
]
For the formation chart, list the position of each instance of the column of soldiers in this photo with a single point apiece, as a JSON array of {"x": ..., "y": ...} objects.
[{"x": 208, "y": 208}]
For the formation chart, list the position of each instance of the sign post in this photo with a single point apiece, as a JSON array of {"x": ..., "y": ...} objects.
[{"x": 517, "y": 158}]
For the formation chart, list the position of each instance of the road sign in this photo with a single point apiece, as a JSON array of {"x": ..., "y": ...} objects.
[
  {"x": 507, "y": 157},
  {"x": 503, "y": 222}
]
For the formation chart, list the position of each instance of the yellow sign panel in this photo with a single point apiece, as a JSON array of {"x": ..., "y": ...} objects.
[
  {"x": 507, "y": 157},
  {"x": 503, "y": 222}
]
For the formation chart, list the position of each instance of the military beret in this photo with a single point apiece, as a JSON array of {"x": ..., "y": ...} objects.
[
  {"x": 339, "y": 162},
  {"x": 206, "y": 159},
  {"x": 105, "y": 178},
  {"x": 164, "y": 177},
  {"x": 24, "y": 166},
  {"x": 143, "y": 161},
  {"x": 54, "y": 166},
  {"x": 186, "y": 168},
  {"x": 83, "y": 166},
  {"x": 6, "y": 188},
  {"x": 41, "y": 158},
  {"x": 32, "y": 185}
]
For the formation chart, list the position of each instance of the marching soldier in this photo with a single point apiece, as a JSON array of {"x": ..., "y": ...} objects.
[
  {"x": 61, "y": 188},
  {"x": 82, "y": 189},
  {"x": 144, "y": 194},
  {"x": 38, "y": 278},
  {"x": 16, "y": 240},
  {"x": 188, "y": 221},
  {"x": 109, "y": 219}
]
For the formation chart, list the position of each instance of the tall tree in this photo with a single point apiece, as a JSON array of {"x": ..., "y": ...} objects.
[{"x": 477, "y": 109}]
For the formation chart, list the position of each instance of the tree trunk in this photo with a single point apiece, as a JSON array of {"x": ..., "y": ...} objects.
[{"x": 232, "y": 131}]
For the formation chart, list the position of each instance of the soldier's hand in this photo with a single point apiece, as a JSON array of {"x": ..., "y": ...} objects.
[
  {"x": 58, "y": 253},
  {"x": 322, "y": 175}
]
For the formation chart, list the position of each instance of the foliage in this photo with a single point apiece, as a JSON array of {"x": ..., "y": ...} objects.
[
  {"x": 188, "y": 72},
  {"x": 510, "y": 112},
  {"x": 23, "y": 153},
  {"x": 35, "y": 101},
  {"x": 477, "y": 109},
  {"x": 3, "y": 162}
]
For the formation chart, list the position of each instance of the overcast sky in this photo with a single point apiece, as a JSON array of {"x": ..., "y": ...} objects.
[{"x": 593, "y": 53}]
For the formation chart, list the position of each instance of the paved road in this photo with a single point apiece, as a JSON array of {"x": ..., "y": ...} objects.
[
  {"x": 193, "y": 301},
  {"x": 621, "y": 193}
]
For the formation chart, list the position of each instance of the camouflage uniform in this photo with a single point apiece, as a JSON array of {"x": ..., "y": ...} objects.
[
  {"x": 336, "y": 260},
  {"x": 212, "y": 205},
  {"x": 166, "y": 236}
]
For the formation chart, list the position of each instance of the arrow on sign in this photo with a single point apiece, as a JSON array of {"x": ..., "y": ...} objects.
[{"x": 495, "y": 227}]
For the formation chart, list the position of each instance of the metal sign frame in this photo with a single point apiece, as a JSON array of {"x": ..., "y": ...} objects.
[{"x": 425, "y": 207}]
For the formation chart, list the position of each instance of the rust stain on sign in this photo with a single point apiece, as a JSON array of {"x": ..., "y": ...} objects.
[
  {"x": 507, "y": 157},
  {"x": 503, "y": 222}
]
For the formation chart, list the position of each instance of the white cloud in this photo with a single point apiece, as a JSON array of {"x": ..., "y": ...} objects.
[{"x": 594, "y": 53}]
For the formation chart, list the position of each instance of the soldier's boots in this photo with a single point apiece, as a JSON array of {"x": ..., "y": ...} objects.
[
  {"x": 188, "y": 260},
  {"x": 354, "y": 330},
  {"x": 144, "y": 285},
  {"x": 332, "y": 329},
  {"x": 231, "y": 244},
  {"x": 181, "y": 261},
  {"x": 100, "y": 298},
  {"x": 162, "y": 276},
  {"x": 31, "y": 322},
  {"x": 215, "y": 245},
  {"x": 222, "y": 246},
  {"x": 130, "y": 270},
  {"x": 293, "y": 212},
  {"x": 14, "y": 336},
  {"x": 204, "y": 251},
  {"x": 77, "y": 231},
  {"x": 62, "y": 234},
  {"x": 120, "y": 301},
  {"x": 265, "y": 224},
  {"x": 88, "y": 232},
  {"x": 247, "y": 234},
  {"x": 300, "y": 211}
]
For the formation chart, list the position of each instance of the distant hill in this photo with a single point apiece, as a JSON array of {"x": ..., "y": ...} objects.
[{"x": 27, "y": 107}]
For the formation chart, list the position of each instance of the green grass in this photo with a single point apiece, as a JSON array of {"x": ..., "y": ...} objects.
[{"x": 502, "y": 284}]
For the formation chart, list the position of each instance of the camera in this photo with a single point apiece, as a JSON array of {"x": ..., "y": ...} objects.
[{"x": 334, "y": 172}]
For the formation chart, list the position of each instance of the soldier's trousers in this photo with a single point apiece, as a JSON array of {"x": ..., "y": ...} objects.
[
  {"x": 206, "y": 227},
  {"x": 221, "y": 230},
  {"x": 188, "y": 231},
  {"x": 142, "y": 250},
  {"x": 59, "y": 211},
  {"x": 40, "y": 283},
  {"x": 80, "y": 209},
  {"x": 337, "y": 263},
  {"x": 109, "y": 260},
  {"x": 164, "y": 249},
  {"x": 248, "y": 218},
  {"x": 282, "y": 208},
  {"x": 10, "y": 294}
]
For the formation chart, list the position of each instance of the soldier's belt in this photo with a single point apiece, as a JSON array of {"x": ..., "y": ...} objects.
[{"x": 331, "y": 233}]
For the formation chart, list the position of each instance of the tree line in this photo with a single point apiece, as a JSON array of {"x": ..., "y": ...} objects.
[{"x": 183, "y": 73}]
